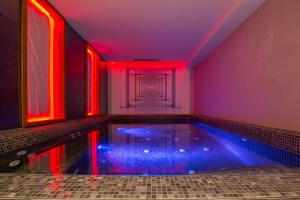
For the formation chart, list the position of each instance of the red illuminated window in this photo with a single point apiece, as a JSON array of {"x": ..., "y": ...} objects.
[
  {"x": 93, "y": 83},
  {"x": 45, "y": 63}
]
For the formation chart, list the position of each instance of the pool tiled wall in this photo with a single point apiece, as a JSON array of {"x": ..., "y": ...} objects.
[{"x": 285, "y": 139}]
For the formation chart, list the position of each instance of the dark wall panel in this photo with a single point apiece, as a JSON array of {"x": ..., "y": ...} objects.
[
  {"x": 75, "y": 74},
  {"x": 103, "y": 90},
  {"x": 9, "y": 63}
]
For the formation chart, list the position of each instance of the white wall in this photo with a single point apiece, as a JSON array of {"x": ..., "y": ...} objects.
[{"x": 117, "y": 91}]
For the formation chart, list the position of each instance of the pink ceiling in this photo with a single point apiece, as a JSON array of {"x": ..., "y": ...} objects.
[{"x": 167, "y": 30}]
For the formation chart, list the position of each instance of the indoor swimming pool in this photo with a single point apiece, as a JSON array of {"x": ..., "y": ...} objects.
[{"x": 152, "y": 149}]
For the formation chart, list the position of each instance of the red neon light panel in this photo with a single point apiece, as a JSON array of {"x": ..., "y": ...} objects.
[
  {"x": 93, "y": 83},
  {"x": 45, "y": 63}
]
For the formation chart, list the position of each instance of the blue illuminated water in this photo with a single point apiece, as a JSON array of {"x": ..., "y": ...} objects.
[{"x": 161, "y": 149}]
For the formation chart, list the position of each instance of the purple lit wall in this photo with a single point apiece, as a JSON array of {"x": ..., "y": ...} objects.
[
  {"x": 253, "y": 76},
  {"x": 9, "y": 63}
]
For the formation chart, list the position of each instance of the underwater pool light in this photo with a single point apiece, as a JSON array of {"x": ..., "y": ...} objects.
[
  {"x": 146, "y": 150},
  {"x": 206, "y": 149},
  {"x": 182, "y": 150},
  {"x": 244, "y": 139},
  {"x": 104, "y": 147}
]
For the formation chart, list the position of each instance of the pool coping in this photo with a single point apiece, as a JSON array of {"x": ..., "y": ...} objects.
[
  {"x": 288, "y": 140},
  {"x": 254, "y": 183}
]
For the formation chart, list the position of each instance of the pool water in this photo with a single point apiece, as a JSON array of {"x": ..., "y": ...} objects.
[{"x": 155, "y": 149}]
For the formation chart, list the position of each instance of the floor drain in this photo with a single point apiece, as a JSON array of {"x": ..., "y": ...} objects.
[
  {"x": 14, "y": 163},
  {"x": 21, "y": 153}
]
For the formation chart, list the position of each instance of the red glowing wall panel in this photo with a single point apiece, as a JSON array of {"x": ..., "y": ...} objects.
[
  {"x": 149, "y": 65},
  {"x": 93, "y": 83},
  {"x": 45, "y": 63}
]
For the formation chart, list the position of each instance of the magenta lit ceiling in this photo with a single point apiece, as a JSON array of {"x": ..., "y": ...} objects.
[{"x": 167, "y": 30}]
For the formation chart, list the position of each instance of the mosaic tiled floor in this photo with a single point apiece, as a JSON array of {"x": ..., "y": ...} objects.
[{"x": 261, "y": 183}]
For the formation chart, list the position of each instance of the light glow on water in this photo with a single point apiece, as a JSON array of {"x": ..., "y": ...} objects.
[
  {"x": 146, "y": 150},
  {"x": 137, "y": 149}
]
